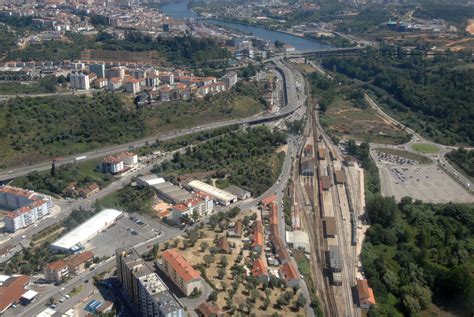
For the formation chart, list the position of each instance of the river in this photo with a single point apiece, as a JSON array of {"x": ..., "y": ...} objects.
[{"x": 180, "y": 10}]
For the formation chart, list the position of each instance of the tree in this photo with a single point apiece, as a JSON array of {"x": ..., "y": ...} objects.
[
  {"x": 221, "y": 273},
  {"x": 208, "y": 259},
  {"x": 212, "y": 296},
  {"x": 204, "y": 246},
  {"x": 265, "y": 303},
  {"x": 300, "y": 302},
  {"x": 254, "y": 295},
  {"x": 223, "y": 261}
]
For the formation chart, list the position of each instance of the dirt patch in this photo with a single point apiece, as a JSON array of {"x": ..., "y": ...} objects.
[{"x": 470, "y": 27}]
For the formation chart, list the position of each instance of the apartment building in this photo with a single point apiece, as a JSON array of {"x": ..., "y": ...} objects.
[
  {"x": 144, "y": 288},
  {"x": 181, "y": 273},
  {"x": 26, "y": 207},
  {"x": 56, "y": 271},
  {"x": 79, "y": 81},
  {"x": 189, "y": 206}
]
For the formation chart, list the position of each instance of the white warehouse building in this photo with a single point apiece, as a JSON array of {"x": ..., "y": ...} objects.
[
  {"x": 221, "y": 196},
  {"x": 75, "y": 240}
]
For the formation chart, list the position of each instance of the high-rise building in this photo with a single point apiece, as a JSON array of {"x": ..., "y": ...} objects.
[
  {"x": 79, "y": 81},
  {"x": 144, "y": 288},
  {"x": 98, "y": 69}
]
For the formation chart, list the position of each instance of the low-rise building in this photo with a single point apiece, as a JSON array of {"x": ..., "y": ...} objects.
[
  {"x": 77, "y": 263},
  {"x": 257, "y": 243},
  {"x": 181, "y": 273},
  {"x": 190, "y": 206},
  {"x": 149, "y": 180},
  {"x": 114, "y": 83},
  {"x": 208, "y": 309},
  {"x": 365, "y": 294},
  {"x": 11, "y": 290},
  {"x": 290, "y": 274},
  {"x": 260, "y": 270},
  {"x": 236, "y": 230},
  {"x": 223, "y": 245},
  {"x": 222, "y": 197},
  {"x": 56, "y": 271},
  {"x": 171, "y": 193},
  {"x": 298, "y": 240},
  {"x": 242, "y": 194},
  {"x": 100, "y": 83}
]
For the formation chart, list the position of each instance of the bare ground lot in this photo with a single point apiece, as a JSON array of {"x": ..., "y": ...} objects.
[{"x": 345, "y": 120}]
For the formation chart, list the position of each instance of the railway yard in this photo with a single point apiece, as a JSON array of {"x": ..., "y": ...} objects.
[{"x": 328, "y": 199}]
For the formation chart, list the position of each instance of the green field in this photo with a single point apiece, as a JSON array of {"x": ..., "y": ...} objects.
[
  {"x": 406, "y": 154},
  {"x": 425, "y": 148}
]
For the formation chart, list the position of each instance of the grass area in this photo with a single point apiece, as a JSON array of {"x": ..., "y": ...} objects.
[
  {"x": 13, "y": 88},
  {"x": 305, "y": 68},
  {"x": 35, "y": 129},
  {"x": 406, "y": 154},
  {"x": 425, "y": 148},
  {"x": 304, "y": 267},
  {"x": 130, "y": 199},
  {"x": 76, "y": 290},
  {"x": 47, "y": 234},
  {"x": 345, "y": 118}
]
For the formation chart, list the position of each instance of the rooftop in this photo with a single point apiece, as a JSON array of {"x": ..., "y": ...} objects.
[
  {"x": 214, "y": 191},
  {"x": 180, "y": 265},
  {"x": 11, "y": 290}
]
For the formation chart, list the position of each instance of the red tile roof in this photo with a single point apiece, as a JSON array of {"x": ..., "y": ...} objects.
[
  {"x": 80, "y": 258},
  {"x": 180, "y": 265},
  {"x": 289, "y": 272},
  {"x": 366, "y": 294},
  {"x": 56, "y": 265},
  {"x": 259, "y": 268},
  {"x": 11, "y": 290},
  {"x": 16, "y": 191}
]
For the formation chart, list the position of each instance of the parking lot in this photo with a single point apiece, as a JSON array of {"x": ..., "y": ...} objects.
[
  {"x": 129, "y": 230},
  {"x": 425, "y": 182}
]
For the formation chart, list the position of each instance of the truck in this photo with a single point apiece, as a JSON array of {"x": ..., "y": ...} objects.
[{"x": 80, "y": 158}]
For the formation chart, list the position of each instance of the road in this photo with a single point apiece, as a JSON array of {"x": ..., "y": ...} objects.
[
  {"x": 295, "y": 101},
  {"x": 417, "y": 138},
  {"x": 291, "y": 89}
]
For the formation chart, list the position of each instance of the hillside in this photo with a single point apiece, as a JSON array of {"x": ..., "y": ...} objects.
[{"x": 33, "y": 129}]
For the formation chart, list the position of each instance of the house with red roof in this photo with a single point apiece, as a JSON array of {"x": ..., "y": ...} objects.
[
  {"x": 260, "y": 270},
  {"x": 180, "y": 271},
  {"x": 56, "y": 271},
  {"x": 289, "y": 273},
  {"x": 365, "y": 294}
]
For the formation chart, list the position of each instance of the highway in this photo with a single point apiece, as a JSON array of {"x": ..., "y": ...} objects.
[
  {"x": 294, "y": 101},
  {"x": 11, "y": 173}
]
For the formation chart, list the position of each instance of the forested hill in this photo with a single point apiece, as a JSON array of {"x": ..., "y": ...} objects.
[
  {"x": 416, "y": 254},
  {"x": 433, "y": 98}
]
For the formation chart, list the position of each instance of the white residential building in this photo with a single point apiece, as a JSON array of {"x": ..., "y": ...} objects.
[
  {"x": 201, "y": 206},
  {"x": 27, "y": 207},
  {"x": 79, "y": 81}
]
